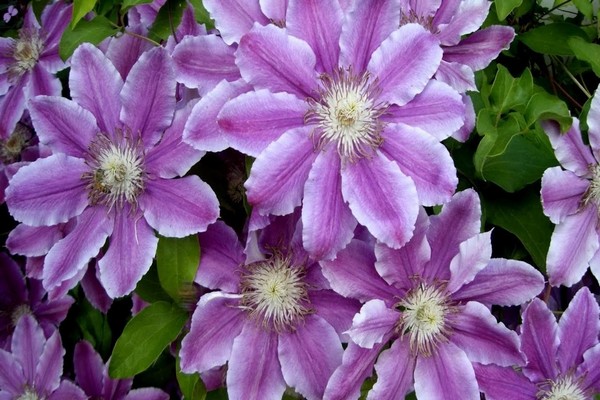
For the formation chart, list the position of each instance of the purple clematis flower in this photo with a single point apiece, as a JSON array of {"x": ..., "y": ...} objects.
[
  {"x": 116, "y": 147},
  {"x": 563, "y": 358},
  {"x": 91, "y": 374},
  {"x": 20, "y": 296},
  {"x": 34, "y": 368},
  {"x": 274, "y": 319},
  {"x": 431, "y": 299},
  {"x": 343, "y": 119},
  {"x": 571, "y": 199}
]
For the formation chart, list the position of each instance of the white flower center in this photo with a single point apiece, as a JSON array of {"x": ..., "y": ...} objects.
[
  {"x": 412, "y": 17},
  {"x": 11, "y": 148},
  {"x": 29, "y": 394},
  {"x": 26, "y": 52},
  {"x": 424, "y": 318},
  {"x": 118, "y": 172},
  {"x": 18, "y": 312},
  {"x": 593, "y": 192},
  {"x": 565, "y": 388},
  {"x": 347, "y": 113},
  {"x": 274, "y": 292}
]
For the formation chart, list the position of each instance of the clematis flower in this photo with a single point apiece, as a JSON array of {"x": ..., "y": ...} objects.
[
  {"x": 563, "y": 358},
  {"x": 116, "y": 147},
  {"x": 571, "y": 199},
  {"x": 315, "y": 121},
  {"x": 431, "y": 300},
  {"x": 34, "y": 368},
  {"x": 273, "y": 319},
  {"x": 91, "y": 374}
]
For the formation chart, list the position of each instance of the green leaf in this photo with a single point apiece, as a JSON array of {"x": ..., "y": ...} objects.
[
  {"x": 508, "y": 92},
  {"x": 542, "y": 105},
  {"x": 202, "y": 15},
  {"x": 80, "y": 9},
  {"x": 93, "y": 31},
  {"x": 149, "y": 288},
  {"x": 588, "y": 52},
  {"x": 131, "y": 3},
  {"x": 144, "y": 338},
  {"x": 585, "y": 7},
  {"x": 167, "y": 20},
  {"x": 552, "y": 39},
  {"x": 521, "y": 214},
  {"x": 504, "y": 7},
  {"x": 191, "y": 385},
  {"x": 177, "y": 262}
]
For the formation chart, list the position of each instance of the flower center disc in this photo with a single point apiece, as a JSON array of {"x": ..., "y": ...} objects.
[
  {"x": 274, "y": 292},
  {"x": 564, "y": 388},
  {"x": 26, "y": 53}
]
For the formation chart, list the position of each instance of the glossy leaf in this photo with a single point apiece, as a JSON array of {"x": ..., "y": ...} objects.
[
  {"x": 167, "y": 20},
  {"x": 131, "y": 3},
  {"x": 588, "y": 52},
  {"x": 552, "y": 39},
  {"x": 149, "y": 288},
  {"x": 93, "y": 31},
  {"x": 177, "y": 262},
  {"x": 80, "y": 9},
  {"x": 505, "y": 7},
  {"x": 191, "y": 385}
]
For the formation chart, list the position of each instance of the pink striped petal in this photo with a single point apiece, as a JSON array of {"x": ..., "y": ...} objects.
[
  {"x": 539, "y": 341},
  {"x": 569, "y": 148},
  {"x": 500, "y": 383},
  {"x": 562, "y": 193},
  {"x": 466, "y": 19},
  {"x": 125, "y": 50},
  {"x": 473, "y": 256},
  {"x": 42, "y": 82},
  {"x": 32, "y": 241},
  {"x": 395, "y": 368},
  {"x": 234, "y": 18},
  {"x": 335, "y": 309},
  {"x": 49, "y": 365},
  {"x": 375, "y": 322},
  {"x": 593, "y": 122},
  {"x": 458, "y": 76},
  {"x": 28, "y": 345},
  {"x": 480, "y": 48}
]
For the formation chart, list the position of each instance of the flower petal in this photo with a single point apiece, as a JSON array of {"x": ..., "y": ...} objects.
[
  {"x": 309, "y": 355},
  {"x": 395, "y": 368},
  {"x": 217, "y": 62},
  {"x": 569, "y": 148},
  {"x": 129, "y": 255},
  {"x": 216, "y": 322},
  {"x": 251, "y": 121},
  {"x": 234, "y": 18},
  {"x": 12, "y": 105},
  {"x": 179, "y": 207},
  {"x": 318, "y": 23},
  {"x": 148, "y": 96},
  {"x": 373, "y": 323},
  {"x": 448, "y": 374},
  {"x": 74, "y": 251},
  {"x": 335, "y": 309},
  {"x": 381, "y": 198},
  {"x": 578, "y": 329},
  {"x": 254, "y": 371},
  {"x": 484, "y": 340},
  {"x": 500, "y": 383},
  {"x": 50, "y": 365},
  {"x": 480, "y": 48},
  {"x": 367, "y": 24},
  {"x": 590, "y": 369},
  {"x": 11, "y": 375},
  {"x": 327, "y": 222},
  {"x": 32, "y": 241},
  {"x": 89, "y": 369},
  {"x": 572, "y": 245},
  {"x": 277, "y": 178},
  {"x": 593, "y": 122},
  {"x": 401, "y": 75},
  {"x": 422, "y": 158},
  {"x": 147, "y": 394},
  {"x": 467, "y": 18},
  {"x": 562, "y": 193},
  {"x": 125, "y": 50},
  {"x": 474, "y": 255},
  {"x": 269, "y": 58},
  {"x": 68, "y": 390},
  {"x": 458, "y": 76},
  {"x": 42, "y": 82},
  {"x": 28, "y": 345},
  {"x": 95, "y": 85},
  {"x": 63, "y": 125},
  {"x": 48, "y": 191}
]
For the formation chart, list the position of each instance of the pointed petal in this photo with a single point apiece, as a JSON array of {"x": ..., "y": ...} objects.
[
  {"x": 401, "y": 75},
  {"x": 55, "y": 18},
  {"x": 50, "y": 365},
  {"x": 148, "y": 96},
  {"x": 482, "y": 338},
  {"x": 466, "y": 19},
  {"x": 473, "y": 256},
  {"x": 147, "y": 394},
  {"x": 48, "y": 191},
  {"x": 539, "y": 341},
  {"x": 458, "y": 76},
  {"x": 234, "y": 18},
  {"x": 309, "y": 355},
  {"x": 33, "y": 241},
  {"x": 125, "y": 50},
  {"x": 269, "y": 58},
  {"x": 446, "y": 375},
  {"x": 222, "y": 253},
  {"x": 480, "y": 48},
  {"x": 373, "y": 324},
  {"x": 95, "y": 84},
  {"x": 572, "y": 245},
  {"x": 94, "y": 291},
  {"x": 216, "y": 322},
  {"x": 593, "y": 122},
  {"x": 499, "y": 383},
  {"x": 318, "y": 23},
  {"x": 275, "y": 10},
  {"x": 381, "y": 198},
  {"x": 438, "y": 110},
  {"x": 590, "y": 369},
  {"x": 131, "y": 250},
  {"x": 578, "y": 328},
  {"x": 68, "y": 390},
  {"x": 367, "y": 25},
  {"x": 347, "y": 379},
  {"x": 277, "y": 178},
  {"x": 179, "y": 207},
  {"x": 463, "y": 214},
  {"x": 253, "y": 120},
  {"x": 569, "y": 148},
  {"x": 562, "y": 193},
  {"x": 394, "y": 368},
  {"x": 335, "y": 309},
  {"x": 422, "y": 158},
  {"x": 352, "y": 274},
  {"x": 254, "y": 371},
  {"x": 201, "y": 129},
  {"x": 63, "y": 125},
  {"x": 28, "y": 345},
  {"x": 12, "y": 378},
  {"x": 328, "y": 224},
  {"x": 490, "y": 285},
  {"x": 12, "y": 105},
  {"x": 203, "y": 73},
  {"x": 42, "y": 82}
]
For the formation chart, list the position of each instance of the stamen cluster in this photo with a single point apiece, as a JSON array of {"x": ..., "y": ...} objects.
[
  {"x": 593, "y": 192},
  {"x": 26, "y": 52},
  {"x": 564, "y": 388}
]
